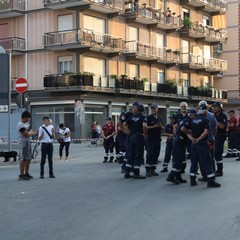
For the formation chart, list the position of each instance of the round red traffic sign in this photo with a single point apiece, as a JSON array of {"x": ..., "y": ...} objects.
[{"x": 21, "y": 85}]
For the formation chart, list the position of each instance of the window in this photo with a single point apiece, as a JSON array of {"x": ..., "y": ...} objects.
[
  {"x": 133, "y": 70},
  {"x": 206, "y": 81},
  {"x": 185, "y": 13},
  {"x": 185, "y": 51},
  {"x": 206, "y": 21},
  {"x": 65, "y": 64},
  {"x": 160, "y": 76},
  {"x": 186, "y": 77},
  {"x": 65, "y": 22},
  {"x": 94, "y": 24},
  {"x": 132, "y": 34},
  {"x": 94, "y": 65}
]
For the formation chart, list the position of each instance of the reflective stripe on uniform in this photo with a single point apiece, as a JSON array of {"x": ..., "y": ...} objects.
[
  {"x": 211, "y": 175},
  {"x": 136, "y": 167},
  {"x": 175, "y": 170},
  {"x": 128, "y": 165},
  {"x": 193, "y": 174},
  {"x": 221, "y": 161}
]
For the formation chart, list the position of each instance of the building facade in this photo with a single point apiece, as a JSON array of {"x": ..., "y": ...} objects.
[{"x": 88, "y": 59}]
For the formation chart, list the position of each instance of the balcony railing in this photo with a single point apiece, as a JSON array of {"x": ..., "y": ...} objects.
[
  {"x": 150, "y": 52},
  {"x": 11, "y": 8},
  {"x": 61, "y": 4},
  {"x": 209, "y": 5},
  {"x": 150, "y": 16},
  {"x": 114, "y": 4},
  {"x": 88, "y": 82},
  {"x": 13, "y": 44},
  {"x": 201, "y": 62},
  {"x": 80, "y": 38},
  {"x": 208, "y": 33}
]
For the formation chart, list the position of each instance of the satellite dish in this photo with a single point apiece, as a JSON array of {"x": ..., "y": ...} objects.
[{"x": 2, "y": 50}]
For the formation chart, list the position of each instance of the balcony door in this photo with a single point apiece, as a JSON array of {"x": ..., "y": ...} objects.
[
  {"x": 207, "y": 55},
  {"x": 3, "y": 31},
  {"x": 160, "y": 45},
  {"x": 185, "y": 51},
  {"x": 65, "y": 64},
  {"x": 132, "y": 39},
  {"x": 94, "y": 65},
  {"x": 133, "y": 70},
  {"x": 95, "y": 25}
]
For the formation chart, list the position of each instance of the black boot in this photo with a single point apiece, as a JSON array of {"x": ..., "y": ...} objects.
[
  {"x": 219, "y": 173},
  {"x": 148, "y": 172},
  {"x": 193, "y": 181},
  {"x": 153, "y": 172},
  {"x": 138, "y": 176},
  {"x": 213, "y": 184}
]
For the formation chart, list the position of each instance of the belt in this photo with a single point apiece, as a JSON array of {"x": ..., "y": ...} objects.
[{"x": 47, "y": 143}]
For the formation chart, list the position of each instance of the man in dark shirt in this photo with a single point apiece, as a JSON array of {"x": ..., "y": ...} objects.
[
  {"x": 220, "y": 136},
  {"x": 179, "y": 148},
  {"x": 154, "y": 126},
  {"x": 199, "y": 150},
  {"x": 136, "y": 125},
  {"x": 168, "y": 132}
]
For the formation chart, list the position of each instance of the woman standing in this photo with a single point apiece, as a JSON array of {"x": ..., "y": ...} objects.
[{"x": 65, "y": 135}]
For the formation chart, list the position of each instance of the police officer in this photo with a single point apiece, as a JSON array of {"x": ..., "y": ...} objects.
[
  {"x": 154, "y": 126},
  {"x": 179, "y": 148},
  {"x": 211, "y": 139},
  {"x": 108, "y": 131},
  {"x": 168, "y": 132},
  {"x": 137, "y": 127},
  {"x": 220, "y": 136},
  {"x": 199, "y": 150}
]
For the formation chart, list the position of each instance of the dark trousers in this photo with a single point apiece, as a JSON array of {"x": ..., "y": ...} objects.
[
  {"x": 232, "y": 140},
  {"x": 179, "y": 156},
  {"x": 168, "y": 153},
  {"x": 135, "y": 155},
  {"x": 200, "y": 154},
  {"x": 47, "y": 151},
  {"x": 61, "y": 147},
  {"x": 219, "y": 145},
  {"x": 211, "y": 152},
  {"x": 108, "y": 145},
  {"x": 121, "y": 142},
  {"x": 153, "y": 150}
]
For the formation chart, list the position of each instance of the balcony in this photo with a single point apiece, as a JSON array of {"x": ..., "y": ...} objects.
[
  {"x": 206, "y": 33},
  {"x": 147, "y": 52},
  {"x": 199, "y": 62},
  {"x": 83, "y": 38},
  {"x": 12, "y": 8},
  {"x": 211, "y": 6},
  {"x": 126, "y": 86},
  {"x": 150, "y": 16},
  {"x": 61, "y": 4},
  {"x": 110, "y": 7},
  {"x": 14, "y": 44}
]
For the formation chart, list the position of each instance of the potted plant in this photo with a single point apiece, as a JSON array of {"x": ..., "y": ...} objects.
[{"x": 187, "y": 23}]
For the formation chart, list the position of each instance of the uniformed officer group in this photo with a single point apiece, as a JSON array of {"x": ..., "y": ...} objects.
[{"x": 198, "y": 134}]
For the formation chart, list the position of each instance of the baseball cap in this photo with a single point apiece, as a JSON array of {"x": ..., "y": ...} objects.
[
  {"x": 192, "y": 111},
  {"x": 108, "y": 119},
  {"x": 217, "y": 104},
  {"x": 173, "y": 116},
  {"x": 231, "y": 111},
  {"x": 202, "y": 102},
  {"x": 135, "y": 103},
  {"x": 153, "y": 105},
  {"x": 203, "y": 106}
]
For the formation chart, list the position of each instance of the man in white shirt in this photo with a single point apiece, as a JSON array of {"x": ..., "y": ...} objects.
[
  {"x": 24, "y": 139},
  {"x": 46, "y": 136}
]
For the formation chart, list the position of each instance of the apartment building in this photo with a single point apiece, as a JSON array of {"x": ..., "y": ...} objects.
[
  {"x": 87, "y": 59},
  {"x": 231, "y": 53}
]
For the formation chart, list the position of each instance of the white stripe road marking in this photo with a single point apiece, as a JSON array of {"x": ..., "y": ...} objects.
[{"x": 21, "y": 85}]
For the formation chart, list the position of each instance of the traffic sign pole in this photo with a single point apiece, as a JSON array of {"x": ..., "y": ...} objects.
[{"x": 9, "y": 101}]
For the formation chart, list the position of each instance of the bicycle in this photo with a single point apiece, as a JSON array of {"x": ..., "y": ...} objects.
[{"x": 36, "y": 149}]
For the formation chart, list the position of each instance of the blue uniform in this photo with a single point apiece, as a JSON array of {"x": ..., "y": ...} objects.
[
  {"x": 153, "y": 142},
  {"x": 199, "y": 151},
  {"x": 169, "y": 146},
  {"x": 135, "y": 143},
  {"x": 179, "y": 149},
  {"x": 219, "y": 140}
]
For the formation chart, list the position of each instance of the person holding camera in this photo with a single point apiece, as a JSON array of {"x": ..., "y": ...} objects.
[{"x": 64, "y": 142}]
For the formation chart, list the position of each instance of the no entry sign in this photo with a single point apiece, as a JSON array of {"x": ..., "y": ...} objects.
[{"x": 21, "y": 85}]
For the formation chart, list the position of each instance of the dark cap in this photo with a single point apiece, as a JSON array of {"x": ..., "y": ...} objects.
[
  {"x": 135, "y": 103},
  {"x": 108, "y": 119},
  {"x": 202, "y": 107},
  {"x": 140, "y": 107},
  {"x": 231, "y": 111},
  {"x": 153, "y": 105},
  {"x": 192, "y": 111},
  {"x": 217, "y": 104},
  {"x": 46, "y": 118},
  {"x": 173, "y": 116}
]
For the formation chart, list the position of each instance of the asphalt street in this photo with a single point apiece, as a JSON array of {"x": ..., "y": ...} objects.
[{"x": 90, "y": 200}]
